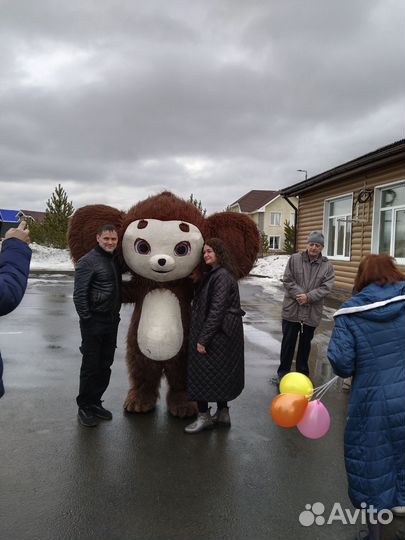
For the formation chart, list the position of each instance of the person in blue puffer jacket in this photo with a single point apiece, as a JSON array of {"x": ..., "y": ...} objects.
[
  {"x": 368, "y": 343},
  {"x": 15, "y": 260}
]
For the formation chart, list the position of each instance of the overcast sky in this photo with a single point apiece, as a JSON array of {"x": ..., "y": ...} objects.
[{"x": 120, "y": 99}]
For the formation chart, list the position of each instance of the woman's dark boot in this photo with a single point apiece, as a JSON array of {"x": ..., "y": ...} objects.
[{"x": 221, "y": 417}]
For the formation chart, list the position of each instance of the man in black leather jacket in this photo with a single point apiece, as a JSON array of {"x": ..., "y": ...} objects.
[{"x": 97, "y": 298}]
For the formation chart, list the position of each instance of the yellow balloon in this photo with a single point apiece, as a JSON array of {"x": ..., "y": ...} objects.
[{"x": 296, "y": 383}]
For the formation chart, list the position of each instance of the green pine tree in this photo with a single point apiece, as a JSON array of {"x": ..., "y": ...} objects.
[
  {"x": 289, "y": 237},
  {"x": 197, "y": 204},
  {"x": 53, "y": 231},
  {"x": 37, "y": 232},
  {"x": 264, "y": 244}
]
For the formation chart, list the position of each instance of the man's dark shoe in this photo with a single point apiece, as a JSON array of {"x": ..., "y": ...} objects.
[
  {"x": 100, "y": 412},
  {"x": 86, "y": 417}
]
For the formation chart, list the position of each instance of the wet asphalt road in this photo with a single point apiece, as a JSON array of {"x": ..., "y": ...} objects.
[{"x": 139, "y": 477}]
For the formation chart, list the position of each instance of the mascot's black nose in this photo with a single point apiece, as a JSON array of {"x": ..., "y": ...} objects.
[{"x": 162, "y": 262}]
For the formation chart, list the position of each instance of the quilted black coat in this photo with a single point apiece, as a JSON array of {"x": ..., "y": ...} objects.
[{"x": 216, "y": 323}]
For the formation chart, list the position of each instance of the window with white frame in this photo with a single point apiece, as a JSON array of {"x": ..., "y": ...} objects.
[
  {"x": 275, "y": 219},
  {"x": 274, "y": 242},
  {"x": 292, "y": 219},
  {"x": 338, "y": 226},
  {"x": 389, "y": 221}
]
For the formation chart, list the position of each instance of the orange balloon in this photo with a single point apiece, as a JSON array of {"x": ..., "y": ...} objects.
[{"x": 288, "y": 409}]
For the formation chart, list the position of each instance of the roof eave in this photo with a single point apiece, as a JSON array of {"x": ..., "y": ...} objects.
[{"x": 341, "y": 172}]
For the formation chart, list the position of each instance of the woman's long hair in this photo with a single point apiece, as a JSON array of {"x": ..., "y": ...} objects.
[
  {"x": 224, "y": 258},
  {"x": 379, "y": 269}
]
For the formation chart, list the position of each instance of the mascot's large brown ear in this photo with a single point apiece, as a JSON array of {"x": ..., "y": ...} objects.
[
  {"x": 240, "y": 235},
  {"x": 84, "y": 224}
]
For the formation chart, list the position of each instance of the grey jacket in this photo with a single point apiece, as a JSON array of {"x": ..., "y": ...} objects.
[{"x": 315, "y": 279}]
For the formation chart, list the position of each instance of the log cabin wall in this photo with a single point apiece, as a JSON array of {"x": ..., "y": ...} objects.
[{"x": 311, "y": 216}]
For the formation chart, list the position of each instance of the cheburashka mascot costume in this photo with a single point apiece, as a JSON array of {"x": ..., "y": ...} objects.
[{"x": 160, "y": 244}]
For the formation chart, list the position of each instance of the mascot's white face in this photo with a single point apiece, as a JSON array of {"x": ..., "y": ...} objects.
[{"x": 162, "y": 250}]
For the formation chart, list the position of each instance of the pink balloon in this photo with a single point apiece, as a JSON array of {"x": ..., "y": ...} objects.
[{"x": 316, "y": 420}]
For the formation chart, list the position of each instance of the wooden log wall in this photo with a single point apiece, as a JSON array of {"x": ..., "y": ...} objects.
[{"x": 311, "y": 216}]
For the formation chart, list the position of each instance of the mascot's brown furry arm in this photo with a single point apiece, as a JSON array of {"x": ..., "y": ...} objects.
[{"x": 160, "y": 244}]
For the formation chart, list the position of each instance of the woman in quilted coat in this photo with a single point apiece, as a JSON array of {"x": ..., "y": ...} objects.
[
  {"x": 216, "y": 346},
  {"x": 368, "y": 343}
]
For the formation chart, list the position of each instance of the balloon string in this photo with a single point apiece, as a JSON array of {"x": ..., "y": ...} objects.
[
  {"x": 324, "y": 388},
  {"x": 321, "y": 394},
  {"x": 323, "y": 391},
  {"x": 327, "y": 383},
  {"x": 320, "y": 391}
]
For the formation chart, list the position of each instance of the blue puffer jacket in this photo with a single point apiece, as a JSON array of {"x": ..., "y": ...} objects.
[
  {"x": 15, "y": 259},
  {"x": 368, "y": 342}
]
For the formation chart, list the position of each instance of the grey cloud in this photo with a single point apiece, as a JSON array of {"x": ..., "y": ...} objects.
[{"x": 253, "y": 90}]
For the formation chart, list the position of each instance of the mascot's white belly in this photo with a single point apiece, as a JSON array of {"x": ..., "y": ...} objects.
[{"x": 160, "y": 330}]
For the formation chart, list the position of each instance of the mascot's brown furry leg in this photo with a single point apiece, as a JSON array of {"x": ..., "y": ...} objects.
[
  {"x": 144, "y": 377},
  {"x": 177, "y": 402},
  {"x": 144, "y": 384},
  {"x": 143, "y": 393}
]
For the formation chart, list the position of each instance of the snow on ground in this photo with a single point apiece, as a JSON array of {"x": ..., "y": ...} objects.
[
  {"x": 266, "y": 273},
  {"x": 271, "y": 266},
  {"x": 47, "y": 258}
]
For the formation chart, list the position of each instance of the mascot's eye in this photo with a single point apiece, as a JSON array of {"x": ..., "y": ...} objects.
[
  {"x": 141, "y": 246},
  {"x": 182, "y": 249}
]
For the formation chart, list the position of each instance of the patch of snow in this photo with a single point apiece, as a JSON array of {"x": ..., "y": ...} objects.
[
  {"x": 272, "y": 266},
  {"x": 47, "y": 258}
]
